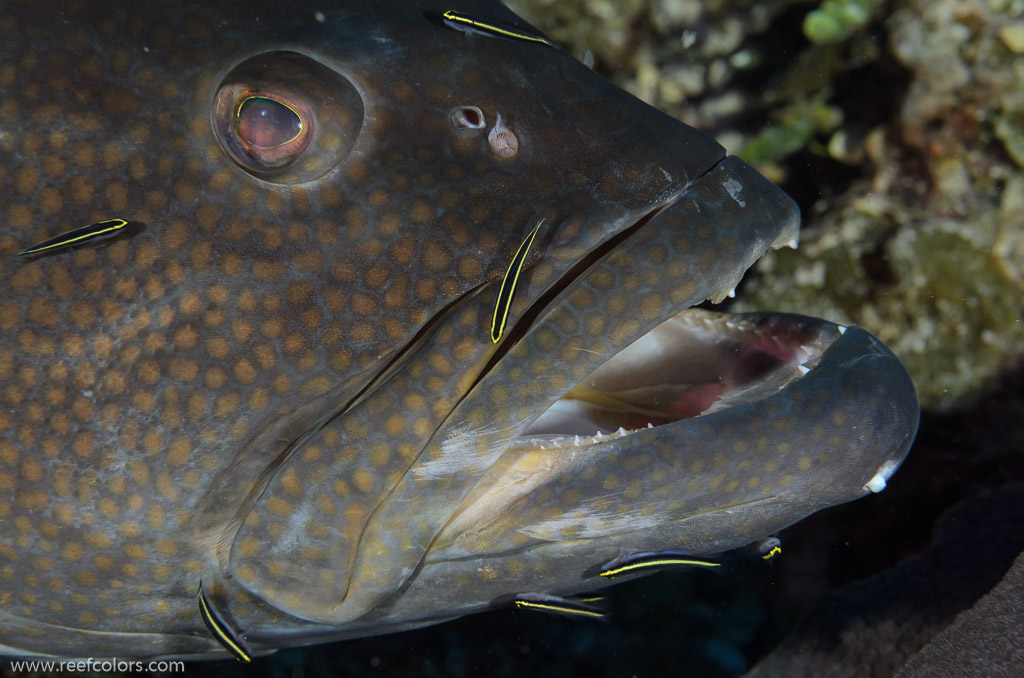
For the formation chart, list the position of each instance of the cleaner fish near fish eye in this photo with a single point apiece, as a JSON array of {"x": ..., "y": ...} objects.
[{"x": 338, "y": 319}]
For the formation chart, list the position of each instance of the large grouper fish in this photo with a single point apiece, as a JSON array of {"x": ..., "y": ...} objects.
[{"x": 322, "y": 320}]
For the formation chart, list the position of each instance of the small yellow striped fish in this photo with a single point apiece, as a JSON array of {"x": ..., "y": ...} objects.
[
  {"x": 468, "y": 24},
  {"x": 646, "y": 562},
  {"x": 77, "y": 236},
  {"x": 769, "y": 547},
  {"x": 508, "y": 285},
  {"x": 543, "y": 602},
  {"x": 221, "y": 632}
]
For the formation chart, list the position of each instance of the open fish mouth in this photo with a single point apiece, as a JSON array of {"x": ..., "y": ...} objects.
[
  {"x": 643, "y": 424},
  {"x": 693, "y": 364},
  {"x": 737, "y": 421}
]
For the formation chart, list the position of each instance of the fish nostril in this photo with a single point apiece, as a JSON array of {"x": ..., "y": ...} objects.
[
  {"x": 468, "y": 117},
  {"x": 503, "y": 140}
]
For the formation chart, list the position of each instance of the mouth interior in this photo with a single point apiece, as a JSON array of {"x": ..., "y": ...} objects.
[{"x": 695, "y": 363}]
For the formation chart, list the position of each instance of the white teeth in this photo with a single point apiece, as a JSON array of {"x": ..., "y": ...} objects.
[
  {"x": 842, "y": 329},
  {"x": 793, "y": 243},
  {"x": 732, "y": 293},
  {"x": 576, "y": 440},
  {"x": 650, "y": 425},
  {"x": 803, "y": 369}
]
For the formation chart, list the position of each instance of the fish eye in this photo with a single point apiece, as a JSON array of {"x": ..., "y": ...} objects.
[
  {"x": 266, "y": 123},
  {"x": 286, "y": 118},
  {"x": 268, "y": 132}
]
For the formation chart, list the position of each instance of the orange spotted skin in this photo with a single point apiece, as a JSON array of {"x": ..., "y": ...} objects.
[{"x": 279, "y": 378}]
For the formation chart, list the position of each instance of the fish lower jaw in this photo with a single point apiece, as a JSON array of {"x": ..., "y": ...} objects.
[{"x": 696, "y": 363}]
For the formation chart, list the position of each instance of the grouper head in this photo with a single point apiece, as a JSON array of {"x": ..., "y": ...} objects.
[{"x": 388, "y": 323}]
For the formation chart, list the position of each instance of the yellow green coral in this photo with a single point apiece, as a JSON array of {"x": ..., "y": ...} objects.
[{"x": 837, "y": 20}]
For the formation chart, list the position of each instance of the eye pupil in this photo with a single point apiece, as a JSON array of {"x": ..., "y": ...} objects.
[{"x": 265, "y": 123}]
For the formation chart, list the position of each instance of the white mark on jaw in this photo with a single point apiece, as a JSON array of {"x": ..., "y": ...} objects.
[
  {"x": 877, "y": 482},
  {"x": 461, "y": 453},
  {"x": 588, "y": 58},
  {"x": 593, "y": 519},
  {"x": 733, "y": 188}
]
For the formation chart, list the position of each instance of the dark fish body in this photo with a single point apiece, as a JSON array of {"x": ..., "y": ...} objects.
[{"x": 281, "y": 381}]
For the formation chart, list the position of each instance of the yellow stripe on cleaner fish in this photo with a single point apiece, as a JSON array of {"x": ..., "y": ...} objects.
[
  {"x": 652, "y": 561},
  {"x": 77, "y": 236},
  {"x": 508, "y": 285},
  {"x": 221, "y": 632},
  {"x": 466, "y": 23}
]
